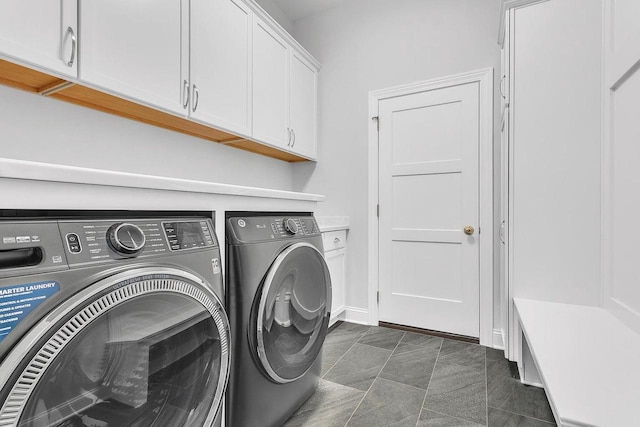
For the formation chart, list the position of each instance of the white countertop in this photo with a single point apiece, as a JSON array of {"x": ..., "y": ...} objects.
[
  {"x": 27, "y": 170},
  {"x": 332, "y": 223}
]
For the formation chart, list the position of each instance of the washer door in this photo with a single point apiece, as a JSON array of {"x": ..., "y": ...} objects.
[
  {"x": 148, "y": 347},
  {"x": 293, "y": 315}
]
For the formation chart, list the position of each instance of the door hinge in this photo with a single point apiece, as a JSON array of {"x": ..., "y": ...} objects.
[
  {"x": 377, "y": 120},
  {"x": 378, "y": 210},
  {"x": 378, "y": 297}
]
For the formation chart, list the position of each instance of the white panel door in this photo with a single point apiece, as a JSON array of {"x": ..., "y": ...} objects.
[
  {"x": 270, "y": 86},
  {"x": 220, "y": 58},
  {"x": 40, "y": 33},
  {"x": 303, "y": 105},
  {"x": 429, "y": 268},
  {"x": 133, "y": 49}
]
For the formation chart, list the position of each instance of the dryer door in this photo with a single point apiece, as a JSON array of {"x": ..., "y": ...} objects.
[
  {"x": 148, "y": 347},
  {"x": 293, "y": 314}
]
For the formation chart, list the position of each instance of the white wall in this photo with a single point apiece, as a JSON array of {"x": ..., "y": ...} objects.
[
  {"x": 276, "y": 13},
  {"x": 36, "y": 128},
  {"x": 367, "y": 45}
]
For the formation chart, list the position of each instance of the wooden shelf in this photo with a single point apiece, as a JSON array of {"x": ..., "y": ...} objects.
[{"x": 33, "y": 81}]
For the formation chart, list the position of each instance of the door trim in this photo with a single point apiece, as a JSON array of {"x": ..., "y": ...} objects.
[
  {"x": 484, "y": 78},
  {"x": 507, "y": 5}
]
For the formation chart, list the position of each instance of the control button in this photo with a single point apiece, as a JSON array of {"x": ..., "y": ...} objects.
[
  {"x": 290, "y": 226},
  {"x": 126, "y": 239},
  {"x": 73, "y": 243},
  {"x": 241, "y": 223}
]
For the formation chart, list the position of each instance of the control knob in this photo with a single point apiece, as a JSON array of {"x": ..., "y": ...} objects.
[
  {"x": 126, "y": 239},
  {"x": 290, "y": 226}
]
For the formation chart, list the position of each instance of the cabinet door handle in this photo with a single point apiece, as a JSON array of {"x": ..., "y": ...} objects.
[
  {"x": 196, "y": 97},
  {"x": 502, "y": 80},
  {"x": 186, "y": 92},
  {"x": 72, "y": 34},
  {"x": 289, "y": 140},
  {"x": 502, "y": 232},
  {"x": 336, "y": 240},
  {"x": 294, "y": 137}
]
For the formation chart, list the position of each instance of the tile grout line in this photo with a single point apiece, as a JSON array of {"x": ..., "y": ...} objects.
[
  {"x": 402, "y": 384},
  {"x": 526, "y": 416},
  {"x": 429, "y": 383},
  {"x": 341, "y": 357},
  {"x": 504, "y": 410},
  {"x": 466, "y": 420},
  {"x": 374, "y": 380}
]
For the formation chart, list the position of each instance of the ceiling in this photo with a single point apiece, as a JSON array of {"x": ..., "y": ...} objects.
[{"x": 297, "y": 9}]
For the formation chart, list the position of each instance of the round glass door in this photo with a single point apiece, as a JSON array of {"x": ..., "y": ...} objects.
[
  {"x": 150, "y": 352},
  {"x": 294, "y": 311}
]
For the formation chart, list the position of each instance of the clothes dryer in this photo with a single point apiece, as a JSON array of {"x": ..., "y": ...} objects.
[
  {"x": 111, "y": 322},
  {"x": 279, "y": 300}
]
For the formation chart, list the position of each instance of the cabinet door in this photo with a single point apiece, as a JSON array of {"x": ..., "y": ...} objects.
[
  {"x": 42, "y": 34},
  {"x": 270, "y": 86},
  {"x": 133, "y": 49},
  {"x": 303, "y": 106},
  {"x": 336, "y": 263},
  {"x": 219, "y": 64}
]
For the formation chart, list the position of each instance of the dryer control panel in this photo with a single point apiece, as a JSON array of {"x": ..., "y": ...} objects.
[{"x": 265, "y": 228}]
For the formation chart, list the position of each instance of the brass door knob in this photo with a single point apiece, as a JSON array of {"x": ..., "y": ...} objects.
[{"x": 468, "y": 230}]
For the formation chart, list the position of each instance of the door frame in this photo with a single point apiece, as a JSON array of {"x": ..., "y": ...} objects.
[{"x": 484, "y": 78}]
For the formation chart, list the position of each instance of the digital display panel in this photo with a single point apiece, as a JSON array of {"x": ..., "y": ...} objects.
[{"x": 188, "y": 234}]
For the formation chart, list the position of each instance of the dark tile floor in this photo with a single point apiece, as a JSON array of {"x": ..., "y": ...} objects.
[{"x": 373, "y": 376}]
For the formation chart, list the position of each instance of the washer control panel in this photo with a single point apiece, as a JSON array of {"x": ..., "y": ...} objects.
[
  {"x": 102, "y": 240},
  {"x": 264, "y": 228}
]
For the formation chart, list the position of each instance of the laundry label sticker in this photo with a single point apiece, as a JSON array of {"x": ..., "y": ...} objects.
[
  {"x": 215, "y": 263},
  {"x": 16, "y": 302}
]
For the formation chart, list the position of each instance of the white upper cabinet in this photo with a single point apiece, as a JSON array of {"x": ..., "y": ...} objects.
[
  {"x": 41, "y": 34},
  {"x": 284, "y": 93},
  {"x": 133, "y": 49},
  {"x": 220, "y": 57},
  {"x": 270, "y": 86},
  {"x": 303, "y": 106},
  {"x": 222, "y": 64}
]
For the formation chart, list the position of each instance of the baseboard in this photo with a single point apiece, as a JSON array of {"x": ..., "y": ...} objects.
[
  {"x": 337, "y": 316},
  {"x": 498, "y": 342},
  {"x": 356, "y": 315},
  {"x": 531, "y": 383}
]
